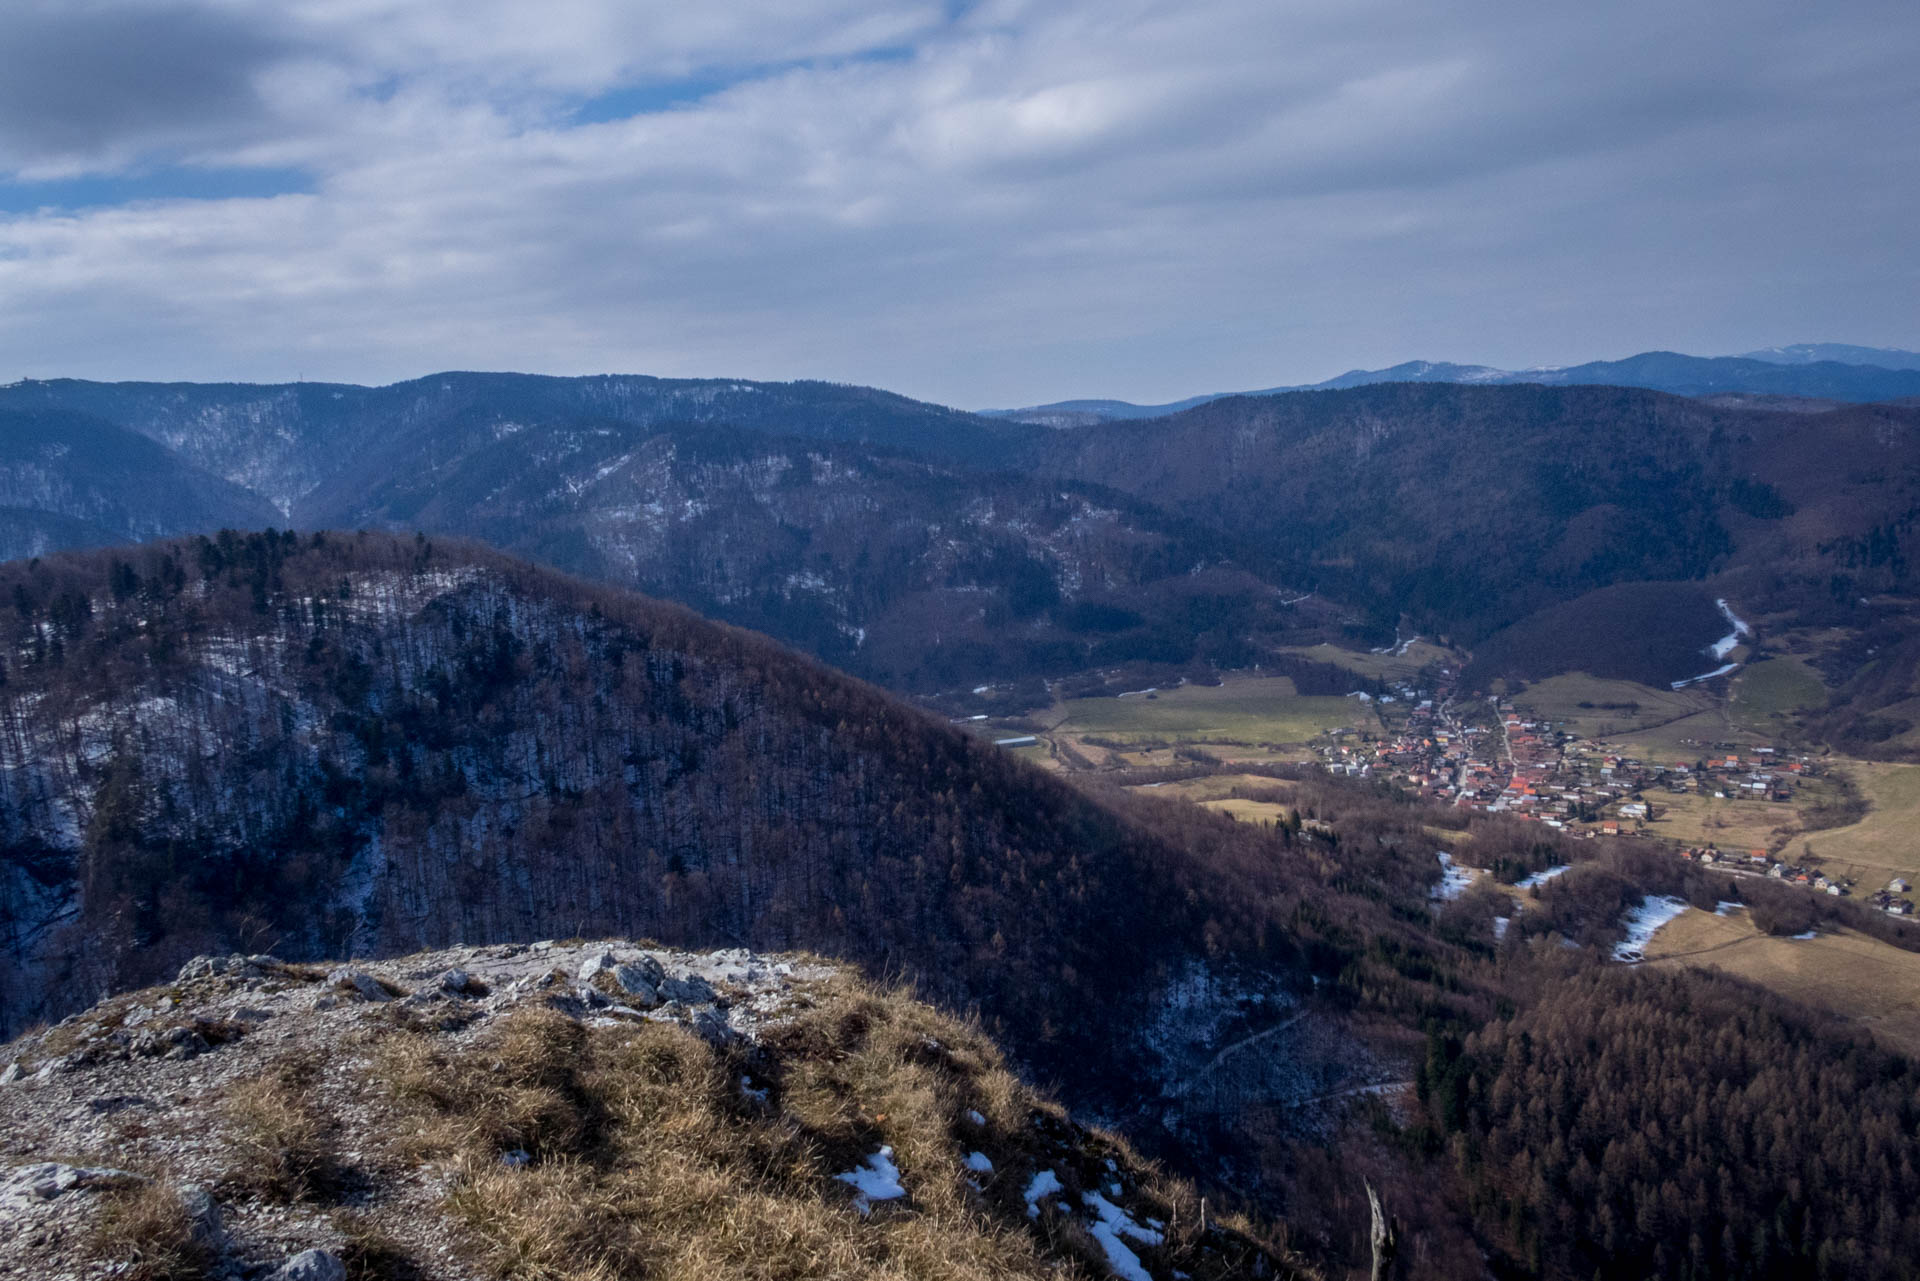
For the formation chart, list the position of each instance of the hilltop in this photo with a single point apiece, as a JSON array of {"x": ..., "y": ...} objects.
[
  {"x": 1818, "y": 371},
  {"x": 562, "y": 1109}
]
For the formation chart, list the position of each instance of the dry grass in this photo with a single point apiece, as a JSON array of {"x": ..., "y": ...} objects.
[
  {"x": 369, "y": 1253},
  {"x": 283, "y": 1143},
  {"x": 1884, "y": 844},
  {"x": 144, "y": 1232},
  {"x": 1845, "y": 973},
  {"x": 651, "y": 1157}
]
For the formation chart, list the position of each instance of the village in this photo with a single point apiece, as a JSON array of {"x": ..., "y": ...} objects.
[{"x": 1488, "y": 756}]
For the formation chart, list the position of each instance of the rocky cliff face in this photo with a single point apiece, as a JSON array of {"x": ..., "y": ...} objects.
[{"x": 568, "y": 1108}]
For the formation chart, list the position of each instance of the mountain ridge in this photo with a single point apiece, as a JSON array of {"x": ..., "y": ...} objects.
[{"x": 1810, "y": 370}]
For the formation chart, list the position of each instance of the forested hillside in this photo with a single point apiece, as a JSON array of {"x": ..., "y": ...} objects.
[
  {"x": 913, "y": 574},
  {"x": 1464, "y": 510},
  {"x": 1676, "y": 1125},
  {"x": 71, "y": 480},
  {"x": 912, "y": 545},
  {"x": 336, "y": 744},
  {"x": 283, "y": 441}
]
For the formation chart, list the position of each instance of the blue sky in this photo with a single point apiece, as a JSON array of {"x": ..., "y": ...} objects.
[{"x": 997, "y": 203}]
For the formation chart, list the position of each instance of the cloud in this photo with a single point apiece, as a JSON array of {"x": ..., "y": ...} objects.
[
  {"x": 87, "y": 86},
  {"x": 1000, "y": 203}
]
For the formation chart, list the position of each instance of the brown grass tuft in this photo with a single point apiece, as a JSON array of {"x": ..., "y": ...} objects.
[
  {"x": 650, "y": 1159},
  {"x": 284, "y": 1143},
  {"x": 370, "y": 1254},
  {"x": 145, "y": 1233}
]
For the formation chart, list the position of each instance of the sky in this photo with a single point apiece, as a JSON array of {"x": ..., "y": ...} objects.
[{"x": 990, "y": 203}]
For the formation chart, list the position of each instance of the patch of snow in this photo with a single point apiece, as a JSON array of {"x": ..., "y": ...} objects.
[
  {"x": 1045, "y": 1184},
  {"x": 1725, "y": 645},
  {"x": 1643, "y": 923},
  {"x": 1718, "y": 671},
  {"x": 1722, "y": 647},
  {"x": 1810, "y": 934},
  {"x": 1540, "y": 878},
  {"x": 1120, "y": 1221},
  {"x": 877, "y": 1179},
  {"x": 1111, "y": 1225},
  {"x": 1500, "y": 924},
  {"x": 1727, "y": 908},
  {"x": 1454, "y": 881},
  {"x": 1124, "y": 1263},
  {"x": 979, "y": 1163}
]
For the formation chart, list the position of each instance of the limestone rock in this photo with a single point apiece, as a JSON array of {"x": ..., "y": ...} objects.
[
  {"x": 50, "y": 1180},
  {"x": 684, "y": 987},
  {"x": 640, "y": 980},
  {"x": 209, "y": 1229},
  {"x": 311, "y": 1265},
  {"x": 591, "y": 967},
  {"x": 358, "y": 980}
]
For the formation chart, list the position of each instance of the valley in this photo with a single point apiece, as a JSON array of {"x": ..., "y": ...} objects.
[
  {"x": 1165, "y": 738},
  {"x": 547, "y": 734}
]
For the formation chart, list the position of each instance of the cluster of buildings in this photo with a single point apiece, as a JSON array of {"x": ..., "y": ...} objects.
[
  {"x": 1506, "y": 763},
  {"x": 1892, "y": 900},
  {"x": 1497, "y": 760}
]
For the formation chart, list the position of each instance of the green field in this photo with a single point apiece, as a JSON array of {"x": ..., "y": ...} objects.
[
  {"x": 1388, "y": 667},
  {"x": 1243, "y": 710},
  {"x": 1766, "y": 694},
  {"x": 1612, "y": 709}
]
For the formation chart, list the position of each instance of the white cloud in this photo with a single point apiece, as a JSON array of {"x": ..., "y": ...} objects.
[{"x": 1021, "y": 201}]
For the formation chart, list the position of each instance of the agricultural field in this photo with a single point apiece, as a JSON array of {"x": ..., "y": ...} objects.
[
  {"x": 1386, "y": 667},
  {"x": 1261, "y": 813},
  {"x": 1768, "y": 694},
  {"x": 1681, "y": 740},
  {"x": 1886, "y": 843},
  {"x": 1851, "y": 975},
  {"x": 1742, "y": 824},
  {"x": 1609, "y": 709},
  {"x": 1243, "y": 711},
  {"x": 1215, "y": 792},
  {"x": 1217, "y": 787}
]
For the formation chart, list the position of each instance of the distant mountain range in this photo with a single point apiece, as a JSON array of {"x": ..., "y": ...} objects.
[
  {"x": 936, "y": 551},
  {"x": 1818, "y": 371},
  {"x": 892, "y": 538}
]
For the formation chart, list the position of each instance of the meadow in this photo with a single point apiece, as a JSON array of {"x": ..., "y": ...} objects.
[
  {"x": 1596, "y": 708},
  {"x": 1884, "y": 844},
  {"x": 1244, "y": 710},
  {"x": 1856, "y": 977}
]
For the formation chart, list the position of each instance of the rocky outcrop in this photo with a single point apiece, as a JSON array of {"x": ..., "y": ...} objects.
[{"x": 362, "y": 1079}]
